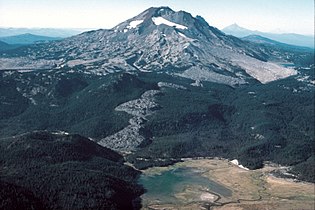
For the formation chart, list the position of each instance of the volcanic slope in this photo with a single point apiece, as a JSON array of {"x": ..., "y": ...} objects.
[
  {"x": 158, "y": 39},
  {"x": 180, "y": 87}
]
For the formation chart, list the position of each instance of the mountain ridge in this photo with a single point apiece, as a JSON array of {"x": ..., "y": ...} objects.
[
  {"x": 27, "y": 38},
  {"x": 263, "y": 40},
  {"x": 288, "y": 38},
  {"x": 159, "y": 40},
  {"x": 52, "y": 32}
]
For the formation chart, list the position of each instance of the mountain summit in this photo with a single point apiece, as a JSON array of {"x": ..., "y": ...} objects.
[
  {"x": 158, "y": 39},
  {"x": 237, "y": 30}
]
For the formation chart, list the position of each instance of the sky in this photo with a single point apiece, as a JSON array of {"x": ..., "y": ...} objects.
[{"x": 281, "y": 16}]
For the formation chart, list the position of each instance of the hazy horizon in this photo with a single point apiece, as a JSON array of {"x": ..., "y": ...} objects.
[{"x": 277, "y": 16}]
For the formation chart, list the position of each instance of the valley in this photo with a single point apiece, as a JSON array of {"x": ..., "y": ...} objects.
[
  {"x": 233, "y": 188},
  {"x": 100, "y": 117}
]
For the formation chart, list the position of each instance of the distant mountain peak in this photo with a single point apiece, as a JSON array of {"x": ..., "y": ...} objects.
[
  {"x": 287, "y": 38},
  {"x": 236, "y": 27},
  {"x": 27, "y": 38}
]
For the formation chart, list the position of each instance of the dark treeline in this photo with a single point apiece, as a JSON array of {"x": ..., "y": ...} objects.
[{"x": 41, "y": 170}]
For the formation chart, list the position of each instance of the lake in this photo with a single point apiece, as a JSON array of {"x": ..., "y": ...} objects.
[{"x": 163, "y": 186}]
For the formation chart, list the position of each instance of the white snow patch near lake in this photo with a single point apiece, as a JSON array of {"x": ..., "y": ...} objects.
[
  {"x": 235, "y": 162},
  {"x": 160, "y": 20},
  {"x": 134, "y": 24}
]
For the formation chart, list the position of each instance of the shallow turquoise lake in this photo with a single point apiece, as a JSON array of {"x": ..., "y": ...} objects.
[{"x": 165, "y": 185}]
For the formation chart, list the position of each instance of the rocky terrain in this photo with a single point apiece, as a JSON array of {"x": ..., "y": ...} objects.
[
  {"x": 157, "y": 88},
  {"x": 129, "y": 138},
  {"x": 159, "y": 39}
]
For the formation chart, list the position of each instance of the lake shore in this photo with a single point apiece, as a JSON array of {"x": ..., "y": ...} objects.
[{"x": 251, "y": 189}]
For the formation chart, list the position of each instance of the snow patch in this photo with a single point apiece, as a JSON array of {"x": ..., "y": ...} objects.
[
  {"x": 134, "y": 24},
  {"x": 235, "y": 162},
  {"x": 160, "y": 20}
]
